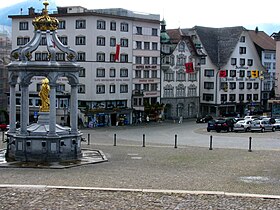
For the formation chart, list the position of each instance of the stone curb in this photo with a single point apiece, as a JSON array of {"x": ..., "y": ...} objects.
[{"x": 143, "y": 190}]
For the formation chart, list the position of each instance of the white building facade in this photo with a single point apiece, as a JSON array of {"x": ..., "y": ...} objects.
[{"x": 106, "y": 82}]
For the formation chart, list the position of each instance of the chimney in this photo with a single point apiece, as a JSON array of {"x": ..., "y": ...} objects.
[{"x": 31, "y": 11}]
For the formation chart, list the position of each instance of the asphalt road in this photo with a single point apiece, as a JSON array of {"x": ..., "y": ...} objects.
[{"x": 188, "y": 134}]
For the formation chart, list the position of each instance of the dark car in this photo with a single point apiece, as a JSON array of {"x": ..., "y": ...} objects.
[
  {"x": 204, "y": 119},
  {"x": 211, "y": 125},
  {"x": 224, "y": 125}
]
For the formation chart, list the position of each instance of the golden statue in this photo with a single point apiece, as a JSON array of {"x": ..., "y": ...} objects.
[{"x": 44, "y": 95}]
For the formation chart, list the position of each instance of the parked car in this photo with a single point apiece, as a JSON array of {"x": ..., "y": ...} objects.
[
  {"x": 262, "y": 125},
  {"x": 223, "y": 125},
  {"x": 204, "y": 119},
  {"x": 250, "y": 118},
  {"x": 242, "y": 125},
  {"x": 211, "y": 125},
  {"x": 277, "y": 124}
]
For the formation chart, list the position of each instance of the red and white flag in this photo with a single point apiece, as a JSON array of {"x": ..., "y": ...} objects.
[
  {"x": 189, "y": 67},
  {"x": 223, "y": 73},
  {"x": 117, "y": 55}
]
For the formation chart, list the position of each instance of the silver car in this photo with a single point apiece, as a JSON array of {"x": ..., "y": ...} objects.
[
  {"x": 242, "y": 125},
  {"x": 262, "y": 125}
]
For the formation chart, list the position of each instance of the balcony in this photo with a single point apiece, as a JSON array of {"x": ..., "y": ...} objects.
[{"x": 137, "y": 93}]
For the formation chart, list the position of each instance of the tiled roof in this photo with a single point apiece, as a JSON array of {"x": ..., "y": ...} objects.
[
  {"x": 219, "y": 43},
  {"x": 261, "y": 39}
]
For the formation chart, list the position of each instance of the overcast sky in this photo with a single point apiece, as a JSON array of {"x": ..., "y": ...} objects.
[{"x": 188, "y": 13}]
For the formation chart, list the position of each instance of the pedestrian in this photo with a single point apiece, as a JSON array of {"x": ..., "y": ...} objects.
[
  {"x": 147, "y": 119},
  {"x": 181, "y": 120}
]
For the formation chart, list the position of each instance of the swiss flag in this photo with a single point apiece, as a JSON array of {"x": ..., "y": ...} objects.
[
  {"x": 223, "y": 73},
  {"x": 117, "y": 55},
  {"x": 189, "y": 67}
]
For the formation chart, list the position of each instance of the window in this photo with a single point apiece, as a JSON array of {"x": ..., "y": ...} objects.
[
  {"x": 267, "y": 56},
  {"x": 241, "y": 73},
  {"x": 138, "y": 60},
  {"x": 255, "y": 97},
  {"x": 209, "y": 72},
  {"x": 267, "y": 65},
  {"x": 154, "y": 46},
  {"x": 232, "y": 97},
  {"x": 168, "y": 91},
  {"x": 242, "y": 61},
  {"x": 112, "y": 72},
  {"x": 249, "y": 85},
  {"x": 100, "y": 57},
  {"x": 38, "y": 56},
  {"x": 124, "y": 42},
  {"x": 242, "y": 50},
  {"x": 232, "y": 85},
  {"x": 241, "y": 97},
  {"x": 43, "y": 41},
  {"x": 192, "y": 90},
  {"x": 80, "y": 24},
  {"x": 232, "y": 73},
  {"x": 154, "y": 74},
  {"x": 154, "y": 32},
  {"x": 233, "y": 61},
  {"x": 154, "y": 60},
  {"x": 123, "y": 88},
  {"x": 146, "y": 60},
  {"x": 180, "y": 91},
  {"x": 112, "y": 88},
  {"x": 250, "y": 62},
  {"x": 63, "y": 40},
  {"x": 23, "y": 25},
  {"x": 146, "y": 45},
  {"x": 137, "y": 73},
  {"x": 123, "y": 72},
  {"x": 208, "y": 85},
  {"x": 168, "y": 76},
  {"x": 138, "y": 87},
  {"x": 138, "y": 30},
  {"x": 241, "y": 85},
  {"x": 80, "y": 40},
  {"x": 82, "y": 72},
  {"x": 81, "y": 56},
  {"x": 100, "y": 72},
  {"x": 249, "y": 97},
  {"x": 153, "y": 87},
  {"x": 22, "y": 40},
  {"x": 256, "y": 85},
  {"x": 242, "y": 39},
  {"x": 113, "y": 25},
  {"x": 112, "y": 41},
  {"x": 192, "y": 76},
  {"x": 61, "y": 24},
  {"x": 223, "y": 97},
  {"x": 112, "y": 57},
  {"x": 138, "y": 45},
  {"x": 124, "y": 58},
  {"x": 100, "y": 41},
  {"x": 100, "y": 89},
  {"x": 124, "y": 27},
  {"x": 181, "y": 76},
  {"x": 60, "y": 56},
  {"x": 208, "y": 97},
  {"x": 202, "y": 61},
  {"x": 45, "y": 56},
  {"x": 146, "y": 73},
  {"x": 81, "y": 88},
  {"x": 101, "y": 24},
  {"x": 248, "y": 73},
  {"x": 181, "y": 47},
  {"x": 181, "y": 60},
  {"x": 60, "y": 88},
  {"x": 146, "y": 87}
]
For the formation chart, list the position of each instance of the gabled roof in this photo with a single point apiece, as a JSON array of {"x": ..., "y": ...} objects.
[
  {"x": 261, "y": 39},
  {"x": 219, "y": 43}
]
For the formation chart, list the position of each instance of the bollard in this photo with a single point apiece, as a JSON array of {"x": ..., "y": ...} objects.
[
  {"x": 115, "y": 139},
  {"x": 88, "y": 139},
  {"x": 250, "y": 144},
  {"x": 211, "y": 143},
  {"x": 143, "y": 140},
  {"x": 175, "y": 146},
  {"x": 3, "y": 136}
]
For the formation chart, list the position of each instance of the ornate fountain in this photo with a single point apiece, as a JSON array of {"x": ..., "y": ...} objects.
[{"x": 44, "y": 141}]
